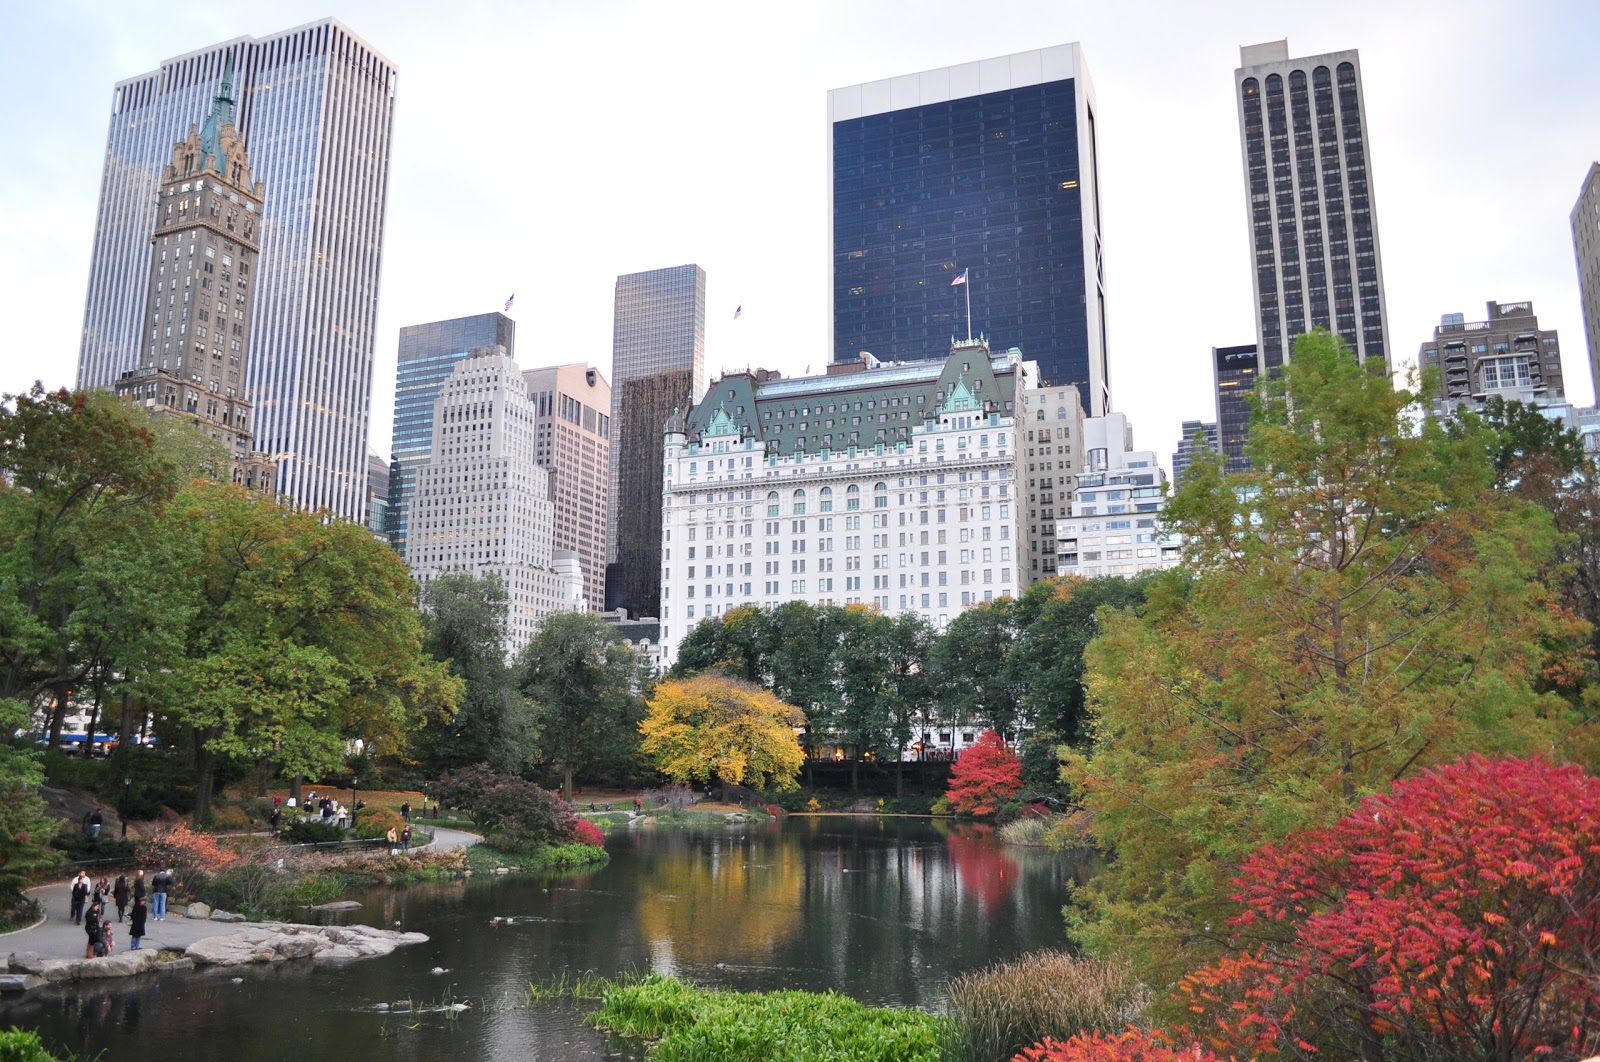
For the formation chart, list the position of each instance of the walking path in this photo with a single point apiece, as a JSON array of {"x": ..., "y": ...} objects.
[{"x": 57, "y": 937}]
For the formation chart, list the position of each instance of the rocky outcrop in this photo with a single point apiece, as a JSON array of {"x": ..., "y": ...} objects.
[
  {"x": 122, "y": 964},
  {"x": 280, "y": 942},
  {"x": 197, "y": 910},
  {"x": 226, "y": 916}
]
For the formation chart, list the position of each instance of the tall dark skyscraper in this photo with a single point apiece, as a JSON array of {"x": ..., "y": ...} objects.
[
  {"x": 428, "y": 354},
  {"x": 987, "y": 170},
  {"x": 316, "y": 105},
  {"x": 1236, "y": 370},
  {"x": 1308, "y": 178},
  {"x": 658, "y": 365}
]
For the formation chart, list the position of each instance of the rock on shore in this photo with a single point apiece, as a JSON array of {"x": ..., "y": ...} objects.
[{"x": 259, "y": 942}]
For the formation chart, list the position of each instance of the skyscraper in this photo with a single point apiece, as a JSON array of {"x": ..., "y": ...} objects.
[
  {"x": 482, "y": 504},
  {"x": 658, "y": 365},
  {"x": 1586, "y": 245},
  {"x": 428, "y": 354},
  {"x": 1183, "y": 456},
  {"x": 201, "y": 280},
  {"x": 1235, "y": 372},
  {"x": 986, "y": 171},
  {"x": 316, "y": 106},
  {"x": 1308, "y": 179},
  {"x": 572, "y": 438}
]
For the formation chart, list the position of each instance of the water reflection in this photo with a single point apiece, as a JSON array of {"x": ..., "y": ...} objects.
[{"x": 886, "y": 910}]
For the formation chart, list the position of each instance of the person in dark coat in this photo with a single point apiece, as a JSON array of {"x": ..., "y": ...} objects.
[
  {"x": 136, "y": 922},
  {"x": 139, "y": 888},
  {"x": 80, "y": 896},
  {"x": 119, "y": 893},
  {"x": 91, "y": 927},
  {"x": 158, "y": 894}
]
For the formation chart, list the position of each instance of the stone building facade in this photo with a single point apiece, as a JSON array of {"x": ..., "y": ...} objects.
[{"x": 572, "y": 438}]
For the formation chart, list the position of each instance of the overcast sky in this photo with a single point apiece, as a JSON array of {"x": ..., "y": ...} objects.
[{"x": 543, "y": 148}]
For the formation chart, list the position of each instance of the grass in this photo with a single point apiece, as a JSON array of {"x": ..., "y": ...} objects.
[
  {"x": 585, "y": 985},
  {"x": 485, "y": 858},
  {"x": 699, "y": 818},
  {"x": 448, "y": 824},
  {"x": 690, "y": 1024},
  {"x": 997, "y": 1012}
]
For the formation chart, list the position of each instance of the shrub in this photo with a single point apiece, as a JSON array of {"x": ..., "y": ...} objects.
[
  {"x": 998, "y": 1011},
  {"x": 987, "y": 775},
  {"x": 230, "y": 817},
  {"x": 710, "y": 1026},
  {"x": 909, "y": 805},
  {"x": 309, "y": 830},
  {"x": 774, "y": 810},
  {"x": 586, "y": 832},
  {"x": 23, "y": 1045},
  {"x": 941, "y": 806},
  {"x": 512, "y": 812},
  {"x": 1455, "y": 916},
  {"x": 83, "y": 773},
  {"x": 192, "y": 856},
  {"x": 1030, "y": 831},
  {"x": 375, "y": 822},
  {"x": 1130, "y": 1046},
  {"x": 79, "y": 846}
]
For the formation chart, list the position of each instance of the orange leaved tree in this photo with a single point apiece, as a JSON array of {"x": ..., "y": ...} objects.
[{"x": 987, "y": 775}]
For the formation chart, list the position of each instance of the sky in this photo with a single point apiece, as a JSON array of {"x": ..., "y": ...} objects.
[{"x": 543, "y": 148}]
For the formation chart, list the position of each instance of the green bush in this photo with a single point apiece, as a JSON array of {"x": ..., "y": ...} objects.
[
  {"x": 21, "y": 1045},
  {"x": 998, "y": 1011},
  {"x": 941, "y": 806},
  {"x": 80, "y": 846},
  {"x": 486, "y": 858},
  {"x": 73, "y": 772},
  {"x": 375, "y": 822},
  {"x": 307, "y": 830},
  {"x": 701, "y": 1025},
  {"x": 910, "y": 805}
]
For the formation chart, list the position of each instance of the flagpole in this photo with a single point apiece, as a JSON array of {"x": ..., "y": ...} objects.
[{"x": 968, "y": 287}]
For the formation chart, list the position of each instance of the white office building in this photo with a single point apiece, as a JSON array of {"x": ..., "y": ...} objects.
[
  {"x": 884, "y": 485},
  {"x": 482, "y": 502},
  {"x": 1115, "y": 523}
]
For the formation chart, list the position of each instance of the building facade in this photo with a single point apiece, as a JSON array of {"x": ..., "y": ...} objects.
[
  {"x": 572, "y": 438},
  {"x": 202, "y": 275},
  {"x": 1586, "y": 246},
  {"x": 1235, "y": 371},
  {"x": 888, "y": 486},
  {"x": 1115, "y": 523},
  {"x": 1051, "y": 429},
  {"x": 1506, "y": 355},
  {"x": 658, "y": 366},
  {"x": 428, "y": 354},
  {"x": 377, "y": 494},
  {"x": 988, "y": 171},
  {"x": 316, "y": 106},
  {"x": 482, "y": 501},
  {"x": 1308, "y": 181},
  {"x": 1210, "y": 442}
]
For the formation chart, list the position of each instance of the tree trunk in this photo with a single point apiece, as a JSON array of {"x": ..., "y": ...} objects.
[
  {"x": 94, "y": 723},
  {"x": 263, "y": 775},
  {"x": 566, "y": 783},
  {"x": 119, "y": 758},
  {"x": 58, "y": 716},
  {"x": 899, "y": 779},
  {"x": 855, "y": 777},
  {"x": 294, "y": 788},
  {"x": 205, "y": 778}
]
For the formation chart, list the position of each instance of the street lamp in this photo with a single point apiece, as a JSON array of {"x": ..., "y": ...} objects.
[{"x": 355, "y": 804}]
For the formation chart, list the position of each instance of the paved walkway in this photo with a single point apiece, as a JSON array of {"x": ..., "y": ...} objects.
[{"x": 57, "y": 938}]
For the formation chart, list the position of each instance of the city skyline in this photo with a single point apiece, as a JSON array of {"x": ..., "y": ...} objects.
[{"x": 1164, "y": 85}]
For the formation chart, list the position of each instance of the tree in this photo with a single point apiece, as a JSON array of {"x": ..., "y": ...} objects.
[
  {"x": 514, "y": 813},
  {"x": 305, "y": 637},
  {"x": 987, "y": 775},
  {"x": 738, "y": 643},
  {"x": 465, "y": 621},
  {"x": 971, "y": 664},
  {"x": 1365, "y": 605},
  {"x": 1517, "y": 433},
  {"x": 710, "y": 726},
  {"x": 1455, "y": 916},
  {"x": 25, "y": 825},
  {"x": 583, "y": 681}
]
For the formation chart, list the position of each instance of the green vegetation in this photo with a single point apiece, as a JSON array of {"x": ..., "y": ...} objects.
[
  {"x": 25, "y": 828},
  {"x": 997, "y": 1012},
  {"x": 446, "y": 824},
  {"x": 486, "y": 859},
  {"x": 691, "y": 1024},
  {"x": 22, "y": 1045}
]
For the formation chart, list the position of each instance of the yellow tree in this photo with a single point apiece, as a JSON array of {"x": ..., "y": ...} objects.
[{"x": 710, "y": 726}]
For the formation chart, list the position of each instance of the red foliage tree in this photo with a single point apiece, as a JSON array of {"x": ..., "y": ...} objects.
[
  {"x": 190, "y": 856},
  {"x": 1131, "y": 1046},
  {"x": 986, "y": 776},
  {"x": 1456, "y": 916},
  {"x": 586, "y": 832}
]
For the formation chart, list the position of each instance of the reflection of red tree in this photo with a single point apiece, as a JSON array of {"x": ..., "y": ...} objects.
[{"x": 981, "y": 864}]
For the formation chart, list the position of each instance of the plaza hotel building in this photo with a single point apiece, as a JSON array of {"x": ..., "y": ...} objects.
[{"x": 877, "y": 484}]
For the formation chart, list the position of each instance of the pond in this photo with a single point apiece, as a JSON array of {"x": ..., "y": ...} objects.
[{"x": 886, "y": 910}]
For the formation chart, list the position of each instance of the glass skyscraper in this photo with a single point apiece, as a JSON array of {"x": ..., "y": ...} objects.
[
  {"x": 1308, "y": 175},
  {"x": 986, "y": 170},
  {"x": 316, "y": 106},
  {"x": 428, "y": 354},
  {"x": 658, "y": 364}
]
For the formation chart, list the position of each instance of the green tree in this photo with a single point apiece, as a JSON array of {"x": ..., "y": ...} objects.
[
  {"x": 305, "y": 638},
  {"x": 711, "y": 726},
  {"x": 465, "y": 620},
  {"x": 737, "y": 643},
  {"x": 972, "y": 666},
  {"x": 1366, "y": 605},
  {"x": 25, "y": 825},
  {"x": 1518, "y": 432},
  {"x": 584, "y": 683}
]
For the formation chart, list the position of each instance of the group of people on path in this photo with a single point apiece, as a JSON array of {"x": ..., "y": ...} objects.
[{"x": 88, "y": 909}]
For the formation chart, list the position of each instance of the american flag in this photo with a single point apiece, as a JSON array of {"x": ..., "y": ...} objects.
[
  {"x": 737, "y": 311},
  {"x": 962, "y": 279},
  {"x": 509, "y": 302}
]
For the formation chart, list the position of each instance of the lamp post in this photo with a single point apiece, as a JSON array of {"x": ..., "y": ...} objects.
[{"x": 355, "y": 804}]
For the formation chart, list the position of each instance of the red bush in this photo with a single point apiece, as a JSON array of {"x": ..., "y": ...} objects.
[
  {"x": 1131, "y": 1046},
  {"x": 774, "y": 810},
  {"x": 1456, "y": 916},
  {"x": 189, "y": 855},
  {"x": 986, "y": 776},
  {"x": 586, "y": 832}
]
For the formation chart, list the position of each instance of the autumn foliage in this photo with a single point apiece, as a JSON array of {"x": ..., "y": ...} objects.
[
  {"x": 586, "y": 832},
  {"x": 986, "y": 776},
  {"x": 1131, "y": 1046},
  {"x": 188, "y": 854},
  {"x": 1455, "y": 916}
]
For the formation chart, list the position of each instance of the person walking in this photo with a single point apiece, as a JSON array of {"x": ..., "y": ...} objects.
[
  {"x": 136, "y": 923},
  {"x": 96, "y": 820},
  {"x": 120, "y": 893},
  {"x": 405, "y": 840},
  {"x": 102, "y": 890},
  {"x": 405, "y": 811},
  {"x": 158, "y": 894},
  {"x": 80, "y": 896}
]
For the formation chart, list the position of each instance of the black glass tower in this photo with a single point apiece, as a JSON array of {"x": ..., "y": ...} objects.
[{"x": 986, "y": 171}]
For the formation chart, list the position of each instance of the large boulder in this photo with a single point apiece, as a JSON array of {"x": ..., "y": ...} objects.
[
  {"x": 226, "y": 916},
  {"x": 26, "y": 962},
  {"x": 122, "y": 964},
  {"x": 222, "y": 951},
  {"x": 280, "y": 942},
  {"x": 197, "y": 910}
]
